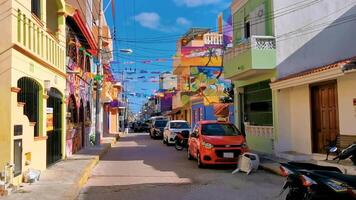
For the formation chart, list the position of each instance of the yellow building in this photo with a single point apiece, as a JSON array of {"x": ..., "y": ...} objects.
[{"x": 33, "y": 82}]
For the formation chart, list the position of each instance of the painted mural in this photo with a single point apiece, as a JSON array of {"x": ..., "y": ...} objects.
[
  {"x": 208, "y": 55},
  {"x": 208, "y": 83}
]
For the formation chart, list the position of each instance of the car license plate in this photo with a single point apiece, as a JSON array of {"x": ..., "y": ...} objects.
[{"x": 228, "y": 155}]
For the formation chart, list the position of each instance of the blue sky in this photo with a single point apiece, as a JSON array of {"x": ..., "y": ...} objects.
[{"x": 150, "y": 28}]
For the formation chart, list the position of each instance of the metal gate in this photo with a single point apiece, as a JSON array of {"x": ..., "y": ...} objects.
[
  {"x": 29, "y": 94},
  {"x": 54, "y": 141}
]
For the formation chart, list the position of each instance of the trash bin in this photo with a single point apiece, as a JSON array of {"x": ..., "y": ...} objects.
[{"x": 248, "y": 162}]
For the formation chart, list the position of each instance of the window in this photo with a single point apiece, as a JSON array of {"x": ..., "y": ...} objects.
[
  {"x": 247, "y": 29},
  {"x": 219, "y": 130},
  {"x": 160, "y": 124},
  {"x": 179, "y": 125},
  {"x": 258, "y": 104},
  {"x": 36, "y": 7}
]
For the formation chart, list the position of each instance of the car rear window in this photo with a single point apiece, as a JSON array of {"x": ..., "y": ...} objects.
[
  {"x": 160, "y": 123},
  {"x": 217, "y": 129},
  {"x": 179, "y": 125}
]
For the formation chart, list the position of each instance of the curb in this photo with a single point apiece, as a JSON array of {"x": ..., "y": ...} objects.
[
  {"x": 271, "y": 169},
  {"x": 89, "y": 168}
]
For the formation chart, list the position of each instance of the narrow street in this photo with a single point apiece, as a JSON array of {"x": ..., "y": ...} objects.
[{"x": 138, "y": 167}]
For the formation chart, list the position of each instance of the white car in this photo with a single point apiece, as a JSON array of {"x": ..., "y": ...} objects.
[{"x": 172, "y": 128}]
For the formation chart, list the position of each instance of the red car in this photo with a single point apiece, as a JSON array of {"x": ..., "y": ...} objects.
[{"x": 215, "y": 142}]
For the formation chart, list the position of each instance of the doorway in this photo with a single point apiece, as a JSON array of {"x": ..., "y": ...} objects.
[
  {"x": 325, "y": 120},
  {"x": 54, "y": 127},
  {"x": 17, "y": 157}
]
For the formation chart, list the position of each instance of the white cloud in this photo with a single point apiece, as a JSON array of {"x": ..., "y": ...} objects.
[
  {"x": 196, "y": 3},
  {"x": 149, "y": 20},
  {"x": 152, "y": 20},
  {"x": 183, "y": 21}
]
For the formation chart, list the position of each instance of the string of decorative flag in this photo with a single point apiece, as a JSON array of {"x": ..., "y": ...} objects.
[{"x": 150, "y": 61}]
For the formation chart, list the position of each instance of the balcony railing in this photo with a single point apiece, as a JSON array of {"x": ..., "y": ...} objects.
[
  {"x": 254, "y": 42},
  {"x": 259, "y": 131},
  {"x": 35, "y": 39}
]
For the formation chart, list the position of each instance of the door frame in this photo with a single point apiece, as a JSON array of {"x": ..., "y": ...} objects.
[{"x": 312, "y": 126}]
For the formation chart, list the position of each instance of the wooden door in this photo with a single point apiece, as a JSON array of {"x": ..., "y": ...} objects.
[{"x": 325, "y": 120}]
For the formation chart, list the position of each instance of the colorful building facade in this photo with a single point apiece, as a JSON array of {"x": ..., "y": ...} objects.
[
  {"x": 81, "y": 48},
  {"x": 198, "y": 68},
  {"x": 250, "y": 63},
  {"x": 33, "y": 81}
]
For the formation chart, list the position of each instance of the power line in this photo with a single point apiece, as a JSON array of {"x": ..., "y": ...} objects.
[{"x": 269, "y": 16}]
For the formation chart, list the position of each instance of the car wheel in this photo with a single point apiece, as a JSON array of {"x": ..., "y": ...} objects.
[
  {"x": 189, "y": 156},
  {"x": 164, "y": 141},
  {"x": 200, "y": 164}
]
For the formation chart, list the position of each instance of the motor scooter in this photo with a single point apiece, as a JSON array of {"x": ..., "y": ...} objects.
[
  {"x": 307, "y": 181},
  {"x": 349, "y": 152},
  {"x": 181, "y": 140}
]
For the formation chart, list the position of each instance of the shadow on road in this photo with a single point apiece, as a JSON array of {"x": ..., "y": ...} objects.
[{"x": 141, "y": 168}]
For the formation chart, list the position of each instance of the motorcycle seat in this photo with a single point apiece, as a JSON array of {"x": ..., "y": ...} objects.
[{"x": 310, "y": 166}]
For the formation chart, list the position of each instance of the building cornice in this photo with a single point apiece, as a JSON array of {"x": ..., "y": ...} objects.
[{"x": 330, "y": 74}]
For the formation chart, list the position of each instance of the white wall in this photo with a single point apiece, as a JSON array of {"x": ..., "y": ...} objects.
[
  {"x": 294, "y": 120},
  {"x": 347, "y": 111},
  {"x": 301, "y": 119},
  {"x": 284, "y": 138},
  {"x": 314, "y": 38}
]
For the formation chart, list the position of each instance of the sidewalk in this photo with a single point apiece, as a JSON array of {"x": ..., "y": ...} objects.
[{"x": 63, "y": 180}]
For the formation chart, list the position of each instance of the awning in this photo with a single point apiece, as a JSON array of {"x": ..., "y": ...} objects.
[
  {"x": 174, "y": 111},
  {"x": 86, "y": 32}
]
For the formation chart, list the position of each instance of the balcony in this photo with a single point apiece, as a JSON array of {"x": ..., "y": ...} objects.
[
  {"x": 33, "y": 40},
  {"x": 252, "y": 57}
]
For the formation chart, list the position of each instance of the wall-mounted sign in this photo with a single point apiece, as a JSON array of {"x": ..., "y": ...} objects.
[
  {"x": 18, "y": 130},
  {"x": 49, "y": 121}
]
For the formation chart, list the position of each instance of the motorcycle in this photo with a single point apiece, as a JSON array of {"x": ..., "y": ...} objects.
[
  {"x": 349, "y": 152},
  {"x": 313, "y": 182},
  {"x": 181, "y": 140}
]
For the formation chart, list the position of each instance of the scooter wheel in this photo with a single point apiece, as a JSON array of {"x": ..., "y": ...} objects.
[{"x": 178, "y": 147}]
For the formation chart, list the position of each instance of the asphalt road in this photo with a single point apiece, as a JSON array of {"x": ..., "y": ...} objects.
[{"x": 141, "y": 168}]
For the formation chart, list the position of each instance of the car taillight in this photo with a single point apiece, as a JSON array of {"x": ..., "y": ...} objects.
[
  {"x": 285, "y": 171},
  {"x": 307, "y": 182}
]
